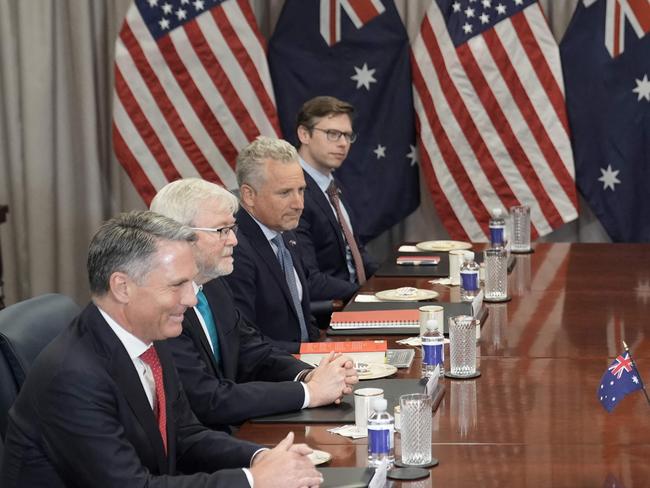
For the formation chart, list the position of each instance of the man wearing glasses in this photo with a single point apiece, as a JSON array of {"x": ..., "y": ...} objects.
[
  {"x": 229, "y": 372},
  {"x": 336, "y": 262}
]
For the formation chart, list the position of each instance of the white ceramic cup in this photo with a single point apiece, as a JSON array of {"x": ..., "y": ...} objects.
[
  {"x": 363, "y": 398},
  {"x": 455, "y": 260},
  {"x": 435, "y": 312}
]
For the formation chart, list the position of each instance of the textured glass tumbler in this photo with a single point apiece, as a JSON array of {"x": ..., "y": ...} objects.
[
  {"x": 520, "y": 216},
  {"x": 496, "y": 274},
  {"x": 462, "y": 345},
  {"x": 416, "y": 419}
]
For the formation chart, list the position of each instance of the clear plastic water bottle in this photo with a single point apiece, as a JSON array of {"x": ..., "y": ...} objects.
[
  {"x": 433, "y": 350},
  {"x": 469, "y": 279},
  {"x": 497, "y": 228},
  {"x": 381, "y": 434}
]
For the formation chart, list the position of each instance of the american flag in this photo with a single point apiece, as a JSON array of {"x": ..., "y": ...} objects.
[
  {"x": 192, "y": 87},
  {"x": 493, "y": 130},
  {"x": 620, "y": 379}
]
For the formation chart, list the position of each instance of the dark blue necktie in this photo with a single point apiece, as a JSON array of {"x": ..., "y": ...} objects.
[
  {"x": 206, "y": 312},
  {"x": 286, "y": 263}
]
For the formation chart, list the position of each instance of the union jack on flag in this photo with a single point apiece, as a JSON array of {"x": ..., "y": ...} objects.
[
  {"x": 619, "y": 15},
  {"x": 192, "y": 87},
  {"x": 360, "y": 13},
  {"x": 620, "y": 379}
]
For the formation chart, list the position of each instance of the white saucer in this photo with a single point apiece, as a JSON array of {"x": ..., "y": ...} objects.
[
  {"x": 417, "y": 295},
  {"x": 319, "y": 457},
  {"x": 377, "y": 370},
  {"x": 443, "y": 246}
]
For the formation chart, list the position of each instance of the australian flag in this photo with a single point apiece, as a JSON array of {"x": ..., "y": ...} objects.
[
  {"x": 357, "y": 51},
  {"x": 620, "y": 379},
  {"x": 606, "y": 62}
]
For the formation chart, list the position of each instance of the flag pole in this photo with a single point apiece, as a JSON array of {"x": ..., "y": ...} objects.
[{"x": 627, "y": 350}]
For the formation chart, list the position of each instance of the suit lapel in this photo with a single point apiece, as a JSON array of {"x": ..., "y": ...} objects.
[
  {"x": 261, "y": 246},
  {"x": 121, "y": 368},
  {"x": 324, "y": 204},
  {"x": 197, "y": 330}
]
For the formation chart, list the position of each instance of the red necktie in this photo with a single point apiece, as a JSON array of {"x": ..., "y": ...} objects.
[
  {"x": 333, "y": 193},
  {"x": 150, "y": 356}
]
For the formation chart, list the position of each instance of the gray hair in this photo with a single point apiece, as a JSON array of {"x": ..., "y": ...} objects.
[
  {"x": 181, "y": 199},
  {"x": 127, "y": 243},
  {"x": 251, "y": 160}
]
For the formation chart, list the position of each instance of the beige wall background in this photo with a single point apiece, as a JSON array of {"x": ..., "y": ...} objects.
[{"x": 57, "y": 170}]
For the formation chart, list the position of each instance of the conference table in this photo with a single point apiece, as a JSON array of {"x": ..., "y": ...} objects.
[{"x": 533, "y": 418}]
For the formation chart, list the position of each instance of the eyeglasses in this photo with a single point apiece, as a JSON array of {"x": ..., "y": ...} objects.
[
  {"x": 222, "y": 232},
  {"x": 334, "y": 135}
]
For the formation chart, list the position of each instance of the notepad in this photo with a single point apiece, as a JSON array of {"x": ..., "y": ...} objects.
[
  {"x": 360, "y": 351},
  {"x": 375, "y": 318},
  {"x": 424, "y": 260}
]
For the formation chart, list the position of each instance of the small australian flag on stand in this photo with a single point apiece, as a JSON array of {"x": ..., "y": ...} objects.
[{"x": 620, "y": 379}]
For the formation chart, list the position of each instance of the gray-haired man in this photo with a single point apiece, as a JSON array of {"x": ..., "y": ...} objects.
[{"x": 102, "y": 404}]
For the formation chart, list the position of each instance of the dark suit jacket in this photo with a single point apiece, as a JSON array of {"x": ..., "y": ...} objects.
[
  {"x": 253, "y": 377},
  {"x": 83, "y": 419},
  {"x": 323, "y": 247},
  {"x": 260, "y": 288}
]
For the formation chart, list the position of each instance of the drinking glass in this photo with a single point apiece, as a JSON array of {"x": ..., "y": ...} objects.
[
  {"x": 496, "y": 274},
  {"x": 416, "y": 418},
  {"x": 462, "y": 345},
  {"x": 520, "y": 228}
]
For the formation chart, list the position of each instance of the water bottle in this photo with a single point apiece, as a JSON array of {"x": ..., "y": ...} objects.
[
  {"x": 381, "y": 433},
  {"x": 469, "y": 285},
  {"x": 497, "y": 228},
  {"x": 433, "y": 352}
]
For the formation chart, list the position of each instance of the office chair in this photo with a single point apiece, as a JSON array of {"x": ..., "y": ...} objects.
[{"x": 25, "y": 329}]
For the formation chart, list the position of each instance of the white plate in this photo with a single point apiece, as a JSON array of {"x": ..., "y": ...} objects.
[
  {"x": 319, "y": 457},
  {"x": 443, "y": 246},
  {"x": 378, "y": 370},
  {"x": 395, "y": 295}
]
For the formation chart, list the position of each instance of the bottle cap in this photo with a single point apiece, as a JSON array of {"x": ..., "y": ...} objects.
[
  {"x": 379, "y": 405},
  {"x": 497, "y": 212},
  {"x": 469, "y": 256},
  {"x": 432, "y": 324}
]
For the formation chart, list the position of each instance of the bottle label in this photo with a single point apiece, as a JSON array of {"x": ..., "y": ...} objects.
[
  {"x": 469, "y": 281},
  {"x": 434, "y": 354},
  {"x": 379, "y": 439},
  {"x": 497, "y": 235}
]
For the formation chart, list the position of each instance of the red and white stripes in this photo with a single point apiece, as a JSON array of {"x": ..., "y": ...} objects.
[
  {"x": 492, "y": 124},
  {"x": 186, "y": 103}
]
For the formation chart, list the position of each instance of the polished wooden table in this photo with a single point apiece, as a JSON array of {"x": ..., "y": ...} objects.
[{"x": 533, "y": 418}]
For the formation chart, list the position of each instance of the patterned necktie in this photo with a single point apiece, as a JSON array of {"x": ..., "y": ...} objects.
[
  {"x": 333, "y": 193},
  {"x": 206, "y": 312},
  {"x": 150, "y": 356},
  {"x": 286, "y": 263}
]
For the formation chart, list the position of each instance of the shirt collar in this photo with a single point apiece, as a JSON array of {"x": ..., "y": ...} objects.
[
  {"x": 134, "y": 346},
  {"x": 197, "y": 288},
  {"x": 268, "y": 233},
  {"x": 321, "y": 180}
]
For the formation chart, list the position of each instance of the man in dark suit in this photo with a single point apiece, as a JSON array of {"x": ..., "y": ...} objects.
[
  {"x": 269, "y": 283},
  {"x": 102, "y": 405},
  {"x": 336, "y": 261},
  {"x": 229, "y": 372}
]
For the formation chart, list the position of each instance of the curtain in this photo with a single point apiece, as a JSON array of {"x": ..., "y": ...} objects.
[{"x": 57, "y": 170}]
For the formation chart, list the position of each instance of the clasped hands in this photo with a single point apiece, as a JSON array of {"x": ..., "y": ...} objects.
[{"x": 332, "y": 379}]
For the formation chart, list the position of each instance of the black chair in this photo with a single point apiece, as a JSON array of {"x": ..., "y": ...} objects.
[{"x": 25, "y": 329}]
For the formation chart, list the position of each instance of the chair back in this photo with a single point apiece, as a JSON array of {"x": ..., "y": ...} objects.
[{"x": 25, "y": 329}]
